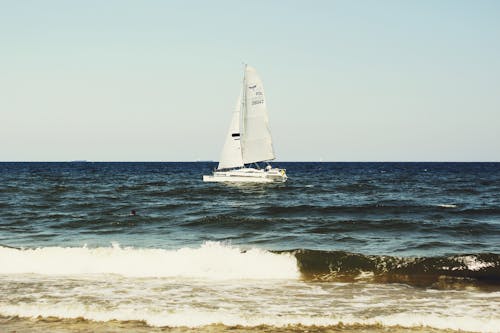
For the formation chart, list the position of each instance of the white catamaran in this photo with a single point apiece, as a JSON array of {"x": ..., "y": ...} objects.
[{"x": 248, "y": 141}]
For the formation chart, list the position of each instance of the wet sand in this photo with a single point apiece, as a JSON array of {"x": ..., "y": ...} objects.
[{"x": 80, "y": 325}]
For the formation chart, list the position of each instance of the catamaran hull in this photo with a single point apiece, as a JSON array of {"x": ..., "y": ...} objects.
[{"x": 248, "y": 175}]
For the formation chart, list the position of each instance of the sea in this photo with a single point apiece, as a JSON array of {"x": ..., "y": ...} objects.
[{"x": 339, "y": 247}]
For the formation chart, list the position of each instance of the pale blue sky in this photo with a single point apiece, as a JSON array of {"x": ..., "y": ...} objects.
[{"x": 157, "y": 80}]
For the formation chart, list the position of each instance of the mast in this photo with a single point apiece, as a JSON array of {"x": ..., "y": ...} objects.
[{"x": 243, "y": 104}]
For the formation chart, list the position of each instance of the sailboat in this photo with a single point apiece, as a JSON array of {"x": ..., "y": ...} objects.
[{"x": 248, "y": 142}]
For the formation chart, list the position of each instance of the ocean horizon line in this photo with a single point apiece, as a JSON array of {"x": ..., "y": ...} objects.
[{"x": 279, "y": 161}]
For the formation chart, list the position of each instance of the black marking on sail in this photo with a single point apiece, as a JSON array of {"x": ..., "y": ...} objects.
[{"x": 235, "y": 135}]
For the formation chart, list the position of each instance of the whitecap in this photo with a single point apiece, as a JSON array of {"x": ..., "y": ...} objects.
[
  {"x": 212, "y": 260},
  {"x": 447, "y": 205}
]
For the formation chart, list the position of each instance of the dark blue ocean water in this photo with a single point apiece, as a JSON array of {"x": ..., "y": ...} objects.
[
  {"x": 400, "y": 209},
  {"x": 380, "y": 246}
]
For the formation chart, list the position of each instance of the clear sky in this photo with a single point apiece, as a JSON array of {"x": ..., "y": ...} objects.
[{"x": 121, "y": 80}]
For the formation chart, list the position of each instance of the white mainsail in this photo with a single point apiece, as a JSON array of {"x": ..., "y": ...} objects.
[
  {"x": 256, "y": 141},
  {"x": 231, "y": 156}
]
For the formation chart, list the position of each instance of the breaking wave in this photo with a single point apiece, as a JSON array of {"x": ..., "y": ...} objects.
[
  {"x": 212, "y": 260},
  {"x": 215, "y": 260},
  {"x": 189, "y": 287},
  {"x": 441, "y": 272}
]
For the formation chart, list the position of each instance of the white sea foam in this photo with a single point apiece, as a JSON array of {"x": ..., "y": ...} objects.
[
  {"x": 197, "y": 302},
  {"x": 197, "y": 318},
  {"x": 475, "y": 264},
  {"x": 364, "y": 275},
  {"x": 212, "y": 260},
  {"x": 447, "y": 205},
  {"x": 463, "y": 323},
  {"x": 196, "y": 292}
]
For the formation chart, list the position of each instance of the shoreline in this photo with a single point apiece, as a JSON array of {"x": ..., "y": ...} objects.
[{"x": 17, "y": 324}]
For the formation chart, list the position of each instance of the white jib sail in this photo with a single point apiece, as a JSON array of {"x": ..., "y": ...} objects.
[
  {"x": 231, "y": 156},
  {"x": 256, "y": 142}
]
